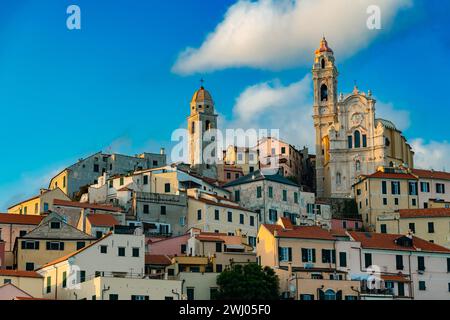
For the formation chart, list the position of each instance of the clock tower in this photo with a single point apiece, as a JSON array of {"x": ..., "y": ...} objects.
[{"x": 325, "y": 111}]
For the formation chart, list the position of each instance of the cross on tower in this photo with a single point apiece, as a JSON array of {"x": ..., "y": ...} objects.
[{"x": 201, "y": 82}]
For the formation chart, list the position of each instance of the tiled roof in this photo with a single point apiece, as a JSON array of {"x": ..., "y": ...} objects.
[
  {"x": 391, "y": 175},
  {"x": 20, "y": 219},
  {"x": 385, "y": 241},
  {"x": 424, "y": 213},
  {"x": 19, "y": 273},
  {"x": 64, "y": 258},
  {"x": 431, "y": 174},
  {"x": 102, "y": 220},
  {"x": 220, "y": 204},
  {"x": 301, "y": 232},
  {"x": 259, "y": 176},
  {"x": 395, "y": 277},
  {"x": 158, "y": 259},
  {"x": 83, "y": 205},
  {"x": 209, "y": 238}
]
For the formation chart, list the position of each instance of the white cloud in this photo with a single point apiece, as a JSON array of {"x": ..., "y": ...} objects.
[
  {"x": 273, "y": 34},
  {"x": 432, "y": 154},
  {"x": 272, "y": 105},
  {"x": 401, "y": 118}
]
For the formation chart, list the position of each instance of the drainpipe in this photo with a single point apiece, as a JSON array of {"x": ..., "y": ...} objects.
[
  {"x": 56, "y": 284},
  {"x": 104, "y": 290},
  {"x": 411, "y": 288}
]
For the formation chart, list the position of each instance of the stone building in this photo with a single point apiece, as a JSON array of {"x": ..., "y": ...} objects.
[{"x": 350, "y": 140}]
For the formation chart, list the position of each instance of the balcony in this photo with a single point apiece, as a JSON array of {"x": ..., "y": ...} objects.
[{"x": 160, "y": 198}]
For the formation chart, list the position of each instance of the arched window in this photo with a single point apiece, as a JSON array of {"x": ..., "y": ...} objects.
[
  {"x": 330, "y": 295},
  {"x": 323, "y": 92},
  {"x": 207, "y": 125},
  {"x": 391, "y": 164},
  {"x": 387, "y": 142},
  {"x": 358, "y": 165},
  {"x": 357, "y": 137},
  {"x": 323, "y": 63},
  {"x": 338, "y": 178}
]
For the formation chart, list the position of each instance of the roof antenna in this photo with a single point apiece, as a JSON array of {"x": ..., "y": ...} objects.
[{"x": 201, "y": 82}]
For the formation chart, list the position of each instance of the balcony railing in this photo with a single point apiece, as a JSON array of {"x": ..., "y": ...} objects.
[{"x": 160, "y": 198}]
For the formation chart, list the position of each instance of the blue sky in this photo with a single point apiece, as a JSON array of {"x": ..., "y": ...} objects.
[{"x": 114, "y": 84}]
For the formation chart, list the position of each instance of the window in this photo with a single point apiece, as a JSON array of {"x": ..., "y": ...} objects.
[
  {"x": 357, "y": 136},
  {"x": 396, "y": 201},
  {"x": 422, "y": 286},
  {"x": 323, "y": 92},
  {"x": 322, "y": 63},
  {"x": 219, "y": 268},
  {"x": 228, "y": 175},
  {"x": 237, "y": 195},
  {"x": 440, "y": 188},
  {"x": 412, "y": 186},
  {"x": 30, "y": 245},
  {"x": 218, "y": 246},
  {"x": 103, "y": 249},
  {"x": 295, "y": 197},
  {"x": 252, "y": 241},
  {"x": 270, "y": 192},
  {"x": 80, "y": 244},
  {"x": 199, "y": 214},
  {"x": 330, "y": 295},
  {"x": 367, "y": 260},
  {"x": 425, "y": 187},
  {"x": 252, "y": 221},
  {"x": 55, "y": 246},
  {"x": 448, "y": 264},
  {"x": 36, "y": 208},
  {"x": 96, "y": 168},
  {"x": 413, "y": 202},
  {"x": 155, "y": 163},
  {"x": 430, "y": 227},
  {"x": 49, "y": 285},
  {"x": 135, "y": 252},
  {"x": 167, "y": 187},
  {"x": 399, "y": 262},
  {"x": 145, "y": 182},
  {"x": 82, "y": 276},
  {"x": 395, "y": 187},
  {"x": 113, "y": 296},
  {"x": 216, "y": 215},
  {"x": 111, "y": 183},
  {"x": 146, "y": 209},
  {"x": 163, "y": 210},
  {"x": 342, "y": 259},
  {"x": 284, "y": 195},
  {"x": 351, "y": 298},
  {"x": 29, "y": 266},
  {"x": 364, "y": 141},
  {"x": 350, "y": 142},
  {"x": 328, "y": 256},
  {"x": 121, "y": 181},
  {"x": 412, "y": 227},
  {"x": 241, "y": 218},
  {"x": 64, "y": 279},
  {"x": 258, "y": 192},
  {"x": 401, "y": 289},
  {"x": 55, "y": 225},
  {"x": 308, "y": 255},
  {"x": 358, "y": 165},
  {"x": 190, "y": 292},
  {"x": 285, "y": 254},
  {"x": 383, "y": 187},
  {"x": 22, "y": 233},
  {"x": 230, "y": 216},
  {"x": 273, "y": 215},
  {"x": 383, "y": 228},
  {"x": 307, "y": 297},
  {"x": 421, "y": 263},
  {"x": 98, "y": 234},
  {"x": 121, "y": 251}
]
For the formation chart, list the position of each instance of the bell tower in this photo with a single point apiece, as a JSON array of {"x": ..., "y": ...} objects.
[
  {"x": 325, "y": 112},
  {"x": 202, "y": 144}
]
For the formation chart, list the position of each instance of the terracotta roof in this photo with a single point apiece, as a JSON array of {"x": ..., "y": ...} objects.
[
  {"x": 287, "y": 223},
  {"x": 158, "y": 259},
  {"x": 19, "y": 273},
  {"x": 102, "y": 220},
  {"x": 220, "y": 204},
  {"x": 20, "y": 219},
  {"x": 85, "y": 205},
  {"x": 64, "y": 258},
  {"x": 391, "y": 175},
  {"x": 385, "y": 241},
  {"x": 431, "y": 174},
  {"x": 339, "y": 232},
  {"x": 424, "y": 213},
  {"x": 209, "y": 238},
  {"x": 301, "y": 232},
  {"x": 395, "y": 277}
]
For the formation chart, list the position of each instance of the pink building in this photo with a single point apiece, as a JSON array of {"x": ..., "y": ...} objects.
[
  {"x": 2, "y": 254},
  {"x": 169, "y": 246},
  {"x": 346, "y": 224}
]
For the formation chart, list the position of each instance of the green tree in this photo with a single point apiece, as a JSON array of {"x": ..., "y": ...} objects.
[{"x": 248, "y": 282}]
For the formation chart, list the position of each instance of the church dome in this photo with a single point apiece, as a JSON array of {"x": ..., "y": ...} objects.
[
  {"x": 201, "y": 95},
  {"x": 386, "y": 123},
  {"x": 323, "y": 47}
]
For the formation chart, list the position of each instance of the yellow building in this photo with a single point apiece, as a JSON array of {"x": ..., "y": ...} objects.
[
  {"x": 306, "y": 261},
  {"x": 42, "y": 203},
  {"x": 29, "y": 281},
  {"x": 384, "y": 192},
  {"x": 52, "y": 239},
  {"x": 432, "y": 224}
]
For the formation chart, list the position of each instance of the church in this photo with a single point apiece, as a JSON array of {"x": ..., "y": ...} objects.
[{"x": 350, "y": 139}]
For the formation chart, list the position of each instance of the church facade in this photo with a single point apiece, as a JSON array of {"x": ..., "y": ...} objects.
[{"x": 350, "y": 140}]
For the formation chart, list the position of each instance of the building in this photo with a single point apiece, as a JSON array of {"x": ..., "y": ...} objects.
[
  {"x": 40, "y": 204},
  {"x": 173, "y": 246},
  {"x": 202, "y": 144},
  {"x": 86, "y": 171},
  {"x": 351, "y": 224},
  {"x": 2, "y": 254},
  {"x": 402, "y": 267},
  {"x": 11, "y": 292},
  {"x": 434, "y": 188},
  {"x": 272, "y": 196},
  {"x": 385, "y": 191},
  {"x": 350, "y": 140},
  {"x": 212, "y": 213},
  {"x": 13, "y": 226},
  {"x": 51, "y": 239},
  {"x": 432, "y": 224},
  {"x": 28, "y": 281},
  {"x": 97, "y": 225},
  {"x": 307, "y": 262}
]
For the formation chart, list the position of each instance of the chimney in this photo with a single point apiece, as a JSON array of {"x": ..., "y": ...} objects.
[{"x": 162, "y": 151}]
